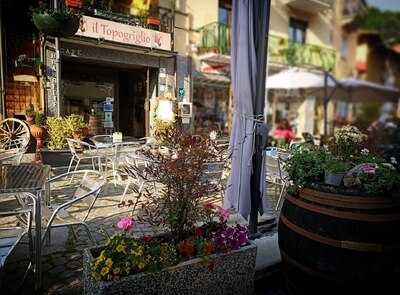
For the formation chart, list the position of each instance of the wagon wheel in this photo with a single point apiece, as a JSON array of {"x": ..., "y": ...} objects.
[{"x": 14, "y": 134}]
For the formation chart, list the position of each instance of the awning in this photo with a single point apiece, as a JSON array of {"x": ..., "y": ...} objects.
[
  {"x": 211, "y": 79},
  {"x": 213, "y": 57}
]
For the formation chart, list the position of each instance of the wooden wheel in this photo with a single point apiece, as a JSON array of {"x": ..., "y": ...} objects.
[{"x": 14, "y": 134}]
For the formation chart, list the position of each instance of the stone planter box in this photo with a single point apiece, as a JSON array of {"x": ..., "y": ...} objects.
[
  {"x": 57, "y": 158},
  {"x": 232, "y": 273}
]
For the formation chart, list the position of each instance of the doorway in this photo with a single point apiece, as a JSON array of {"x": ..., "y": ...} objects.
[{"x": 132, "y": 96}]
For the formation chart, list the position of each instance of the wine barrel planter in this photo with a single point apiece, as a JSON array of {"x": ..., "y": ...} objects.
[{"x": 332, "y": 242}]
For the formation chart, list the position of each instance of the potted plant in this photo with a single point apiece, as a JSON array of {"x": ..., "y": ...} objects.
[
  {"x": 39, "y": 132},
  {"x": 75, "y": 4},
  {"x": 198, "y": 250},
  {"x": 77, "y": 124},
  {"x": 62, "y": 22},
  {"x": 340, "y": 232},
  {"x": 153, "y": 19},
  {"x": 335, "y": 170},
  {"x": 60, "y": 128},
  {"x": 30, "y": 114}
]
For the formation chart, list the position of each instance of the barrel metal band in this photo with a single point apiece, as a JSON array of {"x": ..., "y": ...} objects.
[
  {"x": 350, "y": 245},
  {"x": 342, "y": 214}
]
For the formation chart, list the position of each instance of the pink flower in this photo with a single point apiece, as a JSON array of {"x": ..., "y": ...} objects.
[
  {"x": 126, "y": 223},
  {"x": 368, "y": 169},
  {"x": 223, "y": 214}
]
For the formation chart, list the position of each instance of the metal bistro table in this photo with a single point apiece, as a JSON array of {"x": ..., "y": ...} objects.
[{"x": 28, "y": 178}]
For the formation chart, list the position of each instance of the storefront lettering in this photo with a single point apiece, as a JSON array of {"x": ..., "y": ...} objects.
[{"x": 112, "y": 31}]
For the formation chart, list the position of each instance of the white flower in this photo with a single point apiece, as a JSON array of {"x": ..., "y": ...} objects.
[
  {"x": 364, "y": 152},
  {"x": 213, "y": 135},
  {"x": 393, "y": 160}
]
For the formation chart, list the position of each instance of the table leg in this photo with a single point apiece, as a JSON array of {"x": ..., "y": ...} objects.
[{"x": 38, "y": 241}]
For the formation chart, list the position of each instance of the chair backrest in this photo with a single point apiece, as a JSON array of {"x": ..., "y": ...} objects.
[
  {"x": 86, "y": 191},
  {"x": 74, "y": 146},
  {"x": 213, "y": 172},
  {"x": 102, "y": 140}
]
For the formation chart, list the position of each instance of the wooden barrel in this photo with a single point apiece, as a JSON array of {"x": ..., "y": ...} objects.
[{"x": 340, "y": 241}]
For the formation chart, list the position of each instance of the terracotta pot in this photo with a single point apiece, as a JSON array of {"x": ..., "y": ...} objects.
[
  {"x": 38, "y": 132},
  {"x": 77, "y": 4},
  {"x": 81, "y": 133}
]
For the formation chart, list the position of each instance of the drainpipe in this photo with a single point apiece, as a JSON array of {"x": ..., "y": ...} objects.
[
  {"x": 2, "y": 90},
  {"x": 58, "y": 72}
]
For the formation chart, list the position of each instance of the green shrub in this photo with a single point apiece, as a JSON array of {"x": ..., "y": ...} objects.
[
  {"x": 60, "y": 129},
  {"x": 306, "y": 166}
]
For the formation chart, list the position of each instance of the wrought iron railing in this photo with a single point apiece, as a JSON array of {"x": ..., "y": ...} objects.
[
  {"x": 284, "y": 51},
  {"x": 216, "y": 37},
  {"x": 101, "y": 10}
]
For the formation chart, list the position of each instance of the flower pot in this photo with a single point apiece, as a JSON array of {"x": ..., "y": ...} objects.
[
  {"x": 39, "y": 133},
  {"x": 81, "y": 133},
  {"x": 50, "y": 25},
  {"x": 57, "y": 158},
  {"x": 46, "y": 23},
  {"x": 153, "y": 23},
  {"x": 231, "y": 273},
  {"x": 76, "y": 4},
  {"x": 334, "y": 179}
]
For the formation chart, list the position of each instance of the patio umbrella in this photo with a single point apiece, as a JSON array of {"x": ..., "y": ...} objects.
[
  {"x": 249, "y": 34},
  {"x": 297, "y": 78},
  {"x": 356, "y": 90}
]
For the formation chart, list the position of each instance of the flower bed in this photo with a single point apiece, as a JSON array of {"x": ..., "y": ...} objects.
[{"x": 199, "y": 253}]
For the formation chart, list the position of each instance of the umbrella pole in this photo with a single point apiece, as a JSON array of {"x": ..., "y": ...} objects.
[
  {"x": 261, "y": 29},
  {"x": 326, "y": 99}
]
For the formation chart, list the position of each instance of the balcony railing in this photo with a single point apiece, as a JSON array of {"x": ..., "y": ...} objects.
[
  {"x": 283, "y": 51},
  {"x": 216, "y": 37},
  {"x": 101, "y": 9}
]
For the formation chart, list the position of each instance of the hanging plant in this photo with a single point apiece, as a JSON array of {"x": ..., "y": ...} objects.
[{"x": 63, "y": 22}]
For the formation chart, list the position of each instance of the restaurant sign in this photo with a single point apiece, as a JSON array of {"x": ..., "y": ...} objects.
[{"x": 112, "y": 31}]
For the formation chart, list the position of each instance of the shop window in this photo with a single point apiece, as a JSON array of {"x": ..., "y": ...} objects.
[{"x": 297, "y": 30}]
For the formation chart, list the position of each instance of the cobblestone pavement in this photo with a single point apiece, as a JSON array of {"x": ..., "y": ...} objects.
[{"x": 62, "y": 258}]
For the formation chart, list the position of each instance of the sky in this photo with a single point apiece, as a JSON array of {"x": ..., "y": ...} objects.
[{"x": 385, "y": 4}]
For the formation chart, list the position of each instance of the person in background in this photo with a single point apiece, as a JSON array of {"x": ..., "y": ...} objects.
[{"x": 283, "y": 133}]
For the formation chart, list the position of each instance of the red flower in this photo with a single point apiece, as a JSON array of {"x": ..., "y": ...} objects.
[
  {"x": 208, "y": 248},
  {"x": 186, "y": 249},
  {"x": 146, "y": 239},
  {"x": 198, "y": 232}
]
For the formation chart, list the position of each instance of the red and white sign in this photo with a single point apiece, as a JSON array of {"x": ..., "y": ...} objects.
[{"x": 112, "y": 31}]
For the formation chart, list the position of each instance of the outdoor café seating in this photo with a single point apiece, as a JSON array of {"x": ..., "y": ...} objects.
[
  {"x": 83, "y": 193},
  {"x": 15, "y": 206},
  {"x": 275, "y": 172}
]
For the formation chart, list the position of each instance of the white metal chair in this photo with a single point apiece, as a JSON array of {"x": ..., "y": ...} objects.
[
  {"x": 86, "y": 193},
  {"x": 15, "y": 205},
  {"x": 102, "y": 140},
  {"x": 275, "y": 172},
  {"x": 81, "y": 151},
  {"x": 133, "y": 164},
  {"x": 213, "y": 173}
]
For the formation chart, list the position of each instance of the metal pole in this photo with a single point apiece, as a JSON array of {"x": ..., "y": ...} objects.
[
  {"x": 58, "y": 68},
  {"x": 2, "y": 90},
  {"x": 326, "y": 99},
  {"x": 261, "y": 29}
]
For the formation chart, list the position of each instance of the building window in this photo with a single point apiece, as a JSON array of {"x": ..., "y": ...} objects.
[
  {"x": 225, "y": 12},
  {"x": 297, "y": 30}
]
